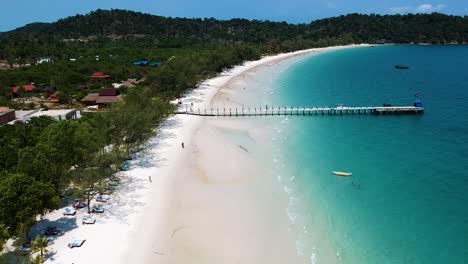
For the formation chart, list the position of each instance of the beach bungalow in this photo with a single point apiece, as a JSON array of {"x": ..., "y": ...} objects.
[
  {"x": 27, "y": 88},
  {"x": 104, "y": 101},
  {"x": 90, "y": 99},
  {"x": 108, "y": 96},
  {"x": 105, "y": 97},
  {"x": 15, "y": 89}
]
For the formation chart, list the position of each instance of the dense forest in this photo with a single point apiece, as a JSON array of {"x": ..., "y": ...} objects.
[
  {"x": 42, "y": 158},
  {"x": 171, "y": 32}
]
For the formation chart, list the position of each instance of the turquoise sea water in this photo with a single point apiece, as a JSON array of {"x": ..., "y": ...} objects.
[{"x": 412, "y": 204}]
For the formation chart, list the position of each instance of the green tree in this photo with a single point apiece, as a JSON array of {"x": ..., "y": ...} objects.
[
  {"x": 132, "y": 122},
  {"x": 90, "y": 175},
  {"x": 37, "y": 259},
  {"x": 4, "y": 236},
  {"x": 40, "y": 245},
  {"x": 93, "y": 161},
  {"x": 22, "y": 199}
]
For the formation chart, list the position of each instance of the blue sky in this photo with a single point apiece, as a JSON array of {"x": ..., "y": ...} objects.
[{"x": 19, "y": 12}]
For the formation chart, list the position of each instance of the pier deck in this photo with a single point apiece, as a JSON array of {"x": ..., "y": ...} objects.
[{"x": 279, "y": 111}]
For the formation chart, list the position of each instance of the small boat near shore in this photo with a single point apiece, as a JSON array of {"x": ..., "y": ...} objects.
[{"x": 342, "y": 174}]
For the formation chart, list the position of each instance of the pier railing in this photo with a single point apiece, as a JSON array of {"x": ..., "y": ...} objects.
[{"x": 279, "y": 111}]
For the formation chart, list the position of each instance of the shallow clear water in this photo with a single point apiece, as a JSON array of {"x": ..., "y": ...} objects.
[{"x": 412, "y": 170}]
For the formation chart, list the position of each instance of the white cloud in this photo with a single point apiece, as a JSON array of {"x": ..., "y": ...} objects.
[{"x": 424, "y": 8}]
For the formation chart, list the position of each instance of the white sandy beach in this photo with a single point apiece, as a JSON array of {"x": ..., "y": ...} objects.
[{"x": 206, "y": 203}]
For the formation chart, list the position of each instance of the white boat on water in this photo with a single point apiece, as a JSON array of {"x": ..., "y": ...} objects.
[{"x": 342, "y": 174}]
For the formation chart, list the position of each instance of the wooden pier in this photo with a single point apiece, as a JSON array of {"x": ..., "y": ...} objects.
[{"x": 305, "y": 111}]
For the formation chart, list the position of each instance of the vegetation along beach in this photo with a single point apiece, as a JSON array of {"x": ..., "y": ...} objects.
[{"x": 145, "y": 134}]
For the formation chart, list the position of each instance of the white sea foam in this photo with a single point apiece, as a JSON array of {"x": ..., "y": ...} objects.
[
  {"x": 292, "y": 216},
  {"x": 300, "y": 248},
  {"x": 287, "y": 189},
  {"x": 313, "y": 258},
  {"x": 293, "y": 201}
]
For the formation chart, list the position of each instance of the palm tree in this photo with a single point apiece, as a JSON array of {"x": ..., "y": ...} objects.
[
  {"x": 37, "y": 260},
  {"x": 40, "y": 244}
]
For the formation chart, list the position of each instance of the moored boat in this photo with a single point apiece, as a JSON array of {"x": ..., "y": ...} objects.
[
  {"x": 342, "y": 174},
  {"x": 401, "y": 67}
]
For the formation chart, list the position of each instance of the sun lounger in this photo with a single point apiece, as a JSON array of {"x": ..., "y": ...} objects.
[
  {"x": 113, "y": 184},
  {"x": 69, "y": 211},
  {"x": 88, "y": 220},
  {"x": 114, "y": 179},
  {"x": 97, "y": 209},
  {"x": 79, "y": 204},
  {"x": 101, "y": 199},
  {"x": 76, "y": 243},
  {"x": 24, "y": 249},
  {"x": 124, "y": 166}
]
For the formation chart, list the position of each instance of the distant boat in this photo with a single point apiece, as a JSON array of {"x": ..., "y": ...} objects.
[
  {"x": 401, "y": 67},
  {"x": 342, "y": 174}
]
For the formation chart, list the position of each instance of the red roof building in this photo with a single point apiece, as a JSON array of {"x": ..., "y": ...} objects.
[
  {"x": 100, "y": 75},
  {"x": 27, "y": 88}
]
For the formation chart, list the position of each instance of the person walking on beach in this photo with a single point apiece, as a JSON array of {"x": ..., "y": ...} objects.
[
  {"x": 182, "y": 144},
  {"x": 149, "y": 178}
]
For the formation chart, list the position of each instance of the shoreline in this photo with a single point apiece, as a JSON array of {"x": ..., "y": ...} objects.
[{"x": 142, "y": 218}]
